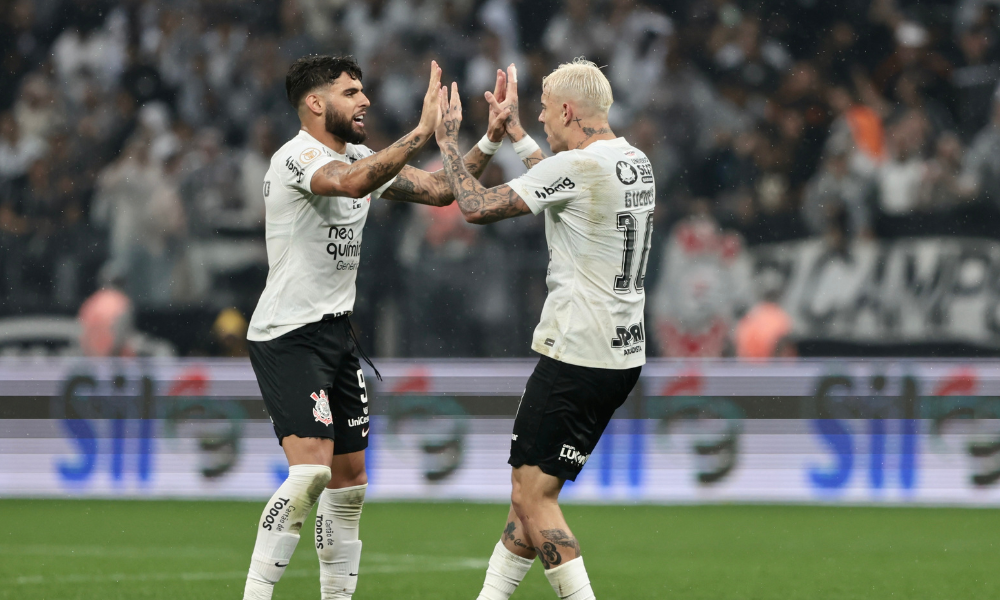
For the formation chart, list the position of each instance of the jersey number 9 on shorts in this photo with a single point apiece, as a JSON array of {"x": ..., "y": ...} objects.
[
  {"x": 364, "y": 390},
  {"x": 628, "y": 225}
]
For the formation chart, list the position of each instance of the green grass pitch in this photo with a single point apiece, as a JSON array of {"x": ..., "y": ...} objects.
[{"x": 82, "y": 549}]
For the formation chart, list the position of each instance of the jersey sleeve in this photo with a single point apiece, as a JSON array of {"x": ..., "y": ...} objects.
[
  {"x": 365, "y": 152},
  {"x": 549, "y": 183},
  {"x": 298, "y": 165},
  {"x": 378, "y": 193}
]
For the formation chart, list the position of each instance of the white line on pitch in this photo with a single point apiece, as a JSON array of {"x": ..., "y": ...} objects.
[{"x": 407, "y": 564}]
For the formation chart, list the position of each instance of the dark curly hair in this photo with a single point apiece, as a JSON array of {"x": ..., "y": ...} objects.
[{"x": 310, "y": 72}]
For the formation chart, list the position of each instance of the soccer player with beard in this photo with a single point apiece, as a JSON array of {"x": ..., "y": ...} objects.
[
  {"x": 317, "y": 192},
  {"x": 597, "y": 194}
]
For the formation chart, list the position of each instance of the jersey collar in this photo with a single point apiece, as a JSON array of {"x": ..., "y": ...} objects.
[
  {"x": 308, "y": 136},
  {"x": 618, "y": 141}
]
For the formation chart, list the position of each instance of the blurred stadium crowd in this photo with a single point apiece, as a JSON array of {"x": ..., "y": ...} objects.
[{"x": 134, "y": 136}]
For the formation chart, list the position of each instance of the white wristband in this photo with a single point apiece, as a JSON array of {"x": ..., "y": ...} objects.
[
  {"x": 525, "y": 147},
  {"x": 489, "y": 147}
]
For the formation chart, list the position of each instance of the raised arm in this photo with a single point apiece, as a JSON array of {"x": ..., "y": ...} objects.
[
  {"x": 478, "y": 204},
  {"x": 421, "y": 187},
  {"x": 358, "y": 179}
]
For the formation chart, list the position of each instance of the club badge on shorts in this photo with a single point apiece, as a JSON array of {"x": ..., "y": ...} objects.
[{"x": 322, "y": 409}]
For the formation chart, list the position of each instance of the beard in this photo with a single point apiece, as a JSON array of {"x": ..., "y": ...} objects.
[{"x": 343, "y": 127}]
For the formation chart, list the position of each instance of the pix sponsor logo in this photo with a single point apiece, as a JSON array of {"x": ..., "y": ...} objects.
[
  {"x": 645, "y": 168},
  {"x": 625, "y": 337},
  {"x": 571, "y": 455},
  {"x": 559, "y": 185}
]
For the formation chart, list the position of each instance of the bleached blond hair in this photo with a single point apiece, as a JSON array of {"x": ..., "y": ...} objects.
[{"x": 582, "y": 80}]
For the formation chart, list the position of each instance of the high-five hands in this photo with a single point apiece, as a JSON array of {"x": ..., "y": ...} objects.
[
  {"x": 451, "y": 114},
  {"x": 507, "y": 101},
  {"x": 497, "y": 125}
]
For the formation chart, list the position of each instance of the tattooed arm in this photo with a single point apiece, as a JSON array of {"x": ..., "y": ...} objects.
[
  {"x": 421, "y": 187},
  {"x": 478, "y": 204},
  {"x": 361, "y": 178}
]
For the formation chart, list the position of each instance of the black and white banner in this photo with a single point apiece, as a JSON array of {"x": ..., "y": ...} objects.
[{"x": 918, "y": 290}]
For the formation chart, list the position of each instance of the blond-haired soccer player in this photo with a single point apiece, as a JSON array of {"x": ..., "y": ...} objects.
[{"x": 597, "y": 195}]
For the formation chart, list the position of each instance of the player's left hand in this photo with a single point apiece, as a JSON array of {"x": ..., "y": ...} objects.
[
  {"x": 451, "y": 115},
  {"x": 430, "y": 114}
]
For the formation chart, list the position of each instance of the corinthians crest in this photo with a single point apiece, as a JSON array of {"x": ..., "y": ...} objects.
[{"x": 322, "y": 409}]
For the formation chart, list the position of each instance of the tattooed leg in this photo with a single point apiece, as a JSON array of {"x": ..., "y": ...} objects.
[
  {"x": 536, "y": 504},
  {"x": 515, "y": 537},
  {"x": 511, "y": 560}
]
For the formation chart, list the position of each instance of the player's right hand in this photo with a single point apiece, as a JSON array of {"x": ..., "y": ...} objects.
[
  {"x": 496, "y": 127},
  {"x": 430, "y": 114},
  {"x": 509, "y": 102}
]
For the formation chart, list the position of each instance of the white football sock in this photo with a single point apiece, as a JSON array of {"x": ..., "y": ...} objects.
[
  {"x": 278, "y": 530},
  {"x": 337, "y": 519},
  {"x": 570, "y": 580},
  {"x": 504, "y": 574}
]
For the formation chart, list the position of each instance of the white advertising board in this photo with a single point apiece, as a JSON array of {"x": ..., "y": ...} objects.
[{"x": 884, "y": 432}]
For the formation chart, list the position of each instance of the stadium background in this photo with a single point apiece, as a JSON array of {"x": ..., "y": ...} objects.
[{"x": 828, "y": 189}]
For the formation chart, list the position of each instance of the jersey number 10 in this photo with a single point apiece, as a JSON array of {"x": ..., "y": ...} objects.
[{"x": 628, "y": 224}]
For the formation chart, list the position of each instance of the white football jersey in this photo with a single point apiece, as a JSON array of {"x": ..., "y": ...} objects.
[
  {"x": 313, "y": 242},
  {"x": 598, "y": 205}
]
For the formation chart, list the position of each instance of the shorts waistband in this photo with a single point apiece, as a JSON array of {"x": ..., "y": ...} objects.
[{"x": 336, "y": 316}]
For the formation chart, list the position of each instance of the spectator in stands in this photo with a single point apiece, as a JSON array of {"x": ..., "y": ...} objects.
[
  {"x": 856, "y": 126},
  {"x": 974, "y": 79},
  {"x": 142, "y": 213},
  {"x": 901, "y": 175},
  {"x": 836, "y": 190},
  {"x": 253, "y": 166},
  {"x": 913, "y": 54},
  {"x": 641, "y": 38},
  {"x": 38, "y": 109},
  {"x": 757, "y": 61},
  {"x": 981, "y": 167},
  {"x": 577, "y": 31},
  {"x": 942, "y": 189},
  {"x": 107, "y": 322},
  {"x": 229, "y": 334},
  {"x": 763, "y": 331},
  {"x": 17, "y": 149},
  {"x": 778, "y": 118},
  {"x": 107, "y": 328},
  {"x": 704, "y": 283}
]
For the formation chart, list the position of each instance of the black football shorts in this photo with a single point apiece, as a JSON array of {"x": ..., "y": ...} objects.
[
  {"x": 563, "y": 413},
  {"x": 313, "y": 386}
]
